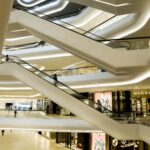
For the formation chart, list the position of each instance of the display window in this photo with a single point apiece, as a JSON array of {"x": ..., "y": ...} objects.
[
  {"x": 99, "y": 141},
  {"x": 105, "y": 99}
]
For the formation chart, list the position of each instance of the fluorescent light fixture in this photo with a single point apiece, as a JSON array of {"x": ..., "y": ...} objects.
[
  {"x": 16, "y": 82},
  {"x": 119, "y": 5},
  {"x": 29, "y": 3},
  {"x": 53, "y": 9},
  {"x": 18, "y": 30},
  {"x": 50, "y": 8},
  {"x": 18, "y": 38},
  {"x": 15, "y": 88},
  {"x": 21, "y": 96},
  {"x": 47, "y": 56}
]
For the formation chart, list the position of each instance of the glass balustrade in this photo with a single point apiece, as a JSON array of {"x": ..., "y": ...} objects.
[
  {"x": 135, "y": 43},
  {"x": 53, "y": 81},
  {"x": 74, "y": 71},
  {"x": 138, "y": 43},
  {"x": 25, "y": 46},
  {"x": 125, "y": 117},
  {"x": 22, "y": 113}
]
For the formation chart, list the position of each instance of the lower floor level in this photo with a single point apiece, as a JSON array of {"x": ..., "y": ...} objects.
[
  {"x": 30, "y": 140},
  {"x": 27, "y": 140}
]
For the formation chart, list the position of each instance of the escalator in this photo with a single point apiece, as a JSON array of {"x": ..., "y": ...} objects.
[
  {"x": 87, "y": 49},
  {"x": 118, "y": 125}
]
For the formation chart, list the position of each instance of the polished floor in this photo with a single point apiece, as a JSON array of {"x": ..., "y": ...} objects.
[{"x": 26, "y": 140}]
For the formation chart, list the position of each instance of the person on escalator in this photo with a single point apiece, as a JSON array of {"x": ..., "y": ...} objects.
[
  {"x": 42, "y": 43},
  {"x": 55, "y": 79},
  {"x": 99, "y": 105},
  {"x": 7, "y": 58}
]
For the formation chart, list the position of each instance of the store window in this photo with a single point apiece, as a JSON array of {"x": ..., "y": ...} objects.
[
  {"x": 105, "y": 99},
  {"x": 98, "y": 141}
]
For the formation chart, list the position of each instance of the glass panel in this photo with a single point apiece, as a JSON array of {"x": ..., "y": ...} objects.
[
  {"x": 54, "y": 81},
  {"x": 129, "y": 43},
  {"x": 74, "y": 71},
  {"x": 85, "y": 28},
  {"x": 101, "y": 20},
  {"x": 22, "y": 113},
  {"x": 124, "y": 117}
]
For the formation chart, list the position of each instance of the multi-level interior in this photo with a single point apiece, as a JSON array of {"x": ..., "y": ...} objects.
[{"x": 76, "y": 72}]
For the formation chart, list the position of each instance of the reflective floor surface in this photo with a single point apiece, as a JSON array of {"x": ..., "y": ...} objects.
[{"x": 26, "y": 140}]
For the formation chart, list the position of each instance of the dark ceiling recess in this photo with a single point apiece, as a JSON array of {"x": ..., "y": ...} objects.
[{"x": 71, "y": 9}]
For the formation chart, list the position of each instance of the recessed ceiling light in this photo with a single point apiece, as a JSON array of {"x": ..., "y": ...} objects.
[
  {"x": 119, "y": 5},
  {"x": 47, "y": 56},
  {"x": 15, "y": 88},
  {"x": 21, "y": 96},
  {"x": 18, "y": 30},
  {"x": 18, "y": 38},
  {"x": 11, "y": 82}
]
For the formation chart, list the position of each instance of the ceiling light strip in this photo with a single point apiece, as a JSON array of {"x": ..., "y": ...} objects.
[{"x": 46, "y": 56}]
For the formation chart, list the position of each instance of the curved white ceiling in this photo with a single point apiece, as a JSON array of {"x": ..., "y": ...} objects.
[
  {"x": 50, "y": 8},
  {"x": 125, "y": 81},
  {"x": 15, "y": 88},
  {"x": 20, "y": 96},
  {"x": 87, "y": 15},
  {"x": 122, "y": 26},
  {"x": 119, "y": 1},
  {"x": 118, "y": 9},
  {"x": 139, "y": 21},
  {"x": 126, "y": 25},
  {"x": 102, "y": 80},
  {"x": 95, "y": 80},
  {"x": 118, "y": 27},
  {"x": 29, "y": 3},
  {"x": 134, "y": 22}
]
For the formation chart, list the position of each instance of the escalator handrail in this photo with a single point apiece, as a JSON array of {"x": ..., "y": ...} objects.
[
  {"x": 26, "y": 10},
  {"x": 79, "y": 94},
  {"x": 126, "y": 116},
  {"x": 102, "y": 40}
]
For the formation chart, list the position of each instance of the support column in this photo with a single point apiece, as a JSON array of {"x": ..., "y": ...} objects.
[{"x": 5, "y": 10}]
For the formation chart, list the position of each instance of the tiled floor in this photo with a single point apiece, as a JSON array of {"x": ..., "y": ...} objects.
[{"x": 26, "y": 140}]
